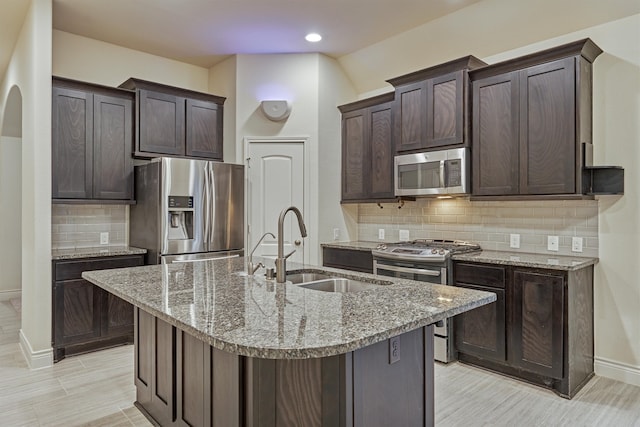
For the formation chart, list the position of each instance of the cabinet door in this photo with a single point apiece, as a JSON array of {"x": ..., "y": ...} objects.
[
  {"x": 117, "y": 317},
  {"x": 445, "y": 110},
  {"x": 411, "y": 117},
  {"x": 381, "y": 151},
  {"x": 354, "y": 155},
  {"x": 77, "y": 311},
  {"x": 161, "y": 124},
  {"x": 547, "y": 128},
  {"x": 112, "y": 144},
  {"x": 495, "y": 135},
  {"x": 204, "y": 129},
  {"x": 72, "y": 135},
  {"x": 538, "y": 322},
  {"x": 481, "y": 331}
]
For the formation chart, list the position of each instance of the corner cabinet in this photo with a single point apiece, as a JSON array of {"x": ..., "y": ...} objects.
[
  {"x": 532, "y": 123},
  {"x": 367, "y": 150},
  {"x": 540, "y": 329},
  {"x": 92, "y": 138},
  {"x": 176, "y": 122},
  {"x": 84, "y": 317},
  {"x": 431, "y": 106}
]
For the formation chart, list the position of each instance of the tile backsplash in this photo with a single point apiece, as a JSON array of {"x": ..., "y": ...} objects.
[
  {"x": 489, "y": 223},
  {"x": 79, "y": 226}
]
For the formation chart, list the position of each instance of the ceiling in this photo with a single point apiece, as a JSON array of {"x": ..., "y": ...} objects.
[{"x": 204, "y": 32}]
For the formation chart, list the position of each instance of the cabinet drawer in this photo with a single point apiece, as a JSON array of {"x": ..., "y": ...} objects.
[
  {"x": 72, "y": 269},
  {"x": 479, "y": 274},
  {"x": 349, "y": 259}
]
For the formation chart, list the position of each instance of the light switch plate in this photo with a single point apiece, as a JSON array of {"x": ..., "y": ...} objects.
[
  {"x": 336, "y": 234},
  {"x": 576, "y": 244},
  {"x": 514, "y": 241},
  {"x": 104, "y": 238},
  {"x": 552, "y": 243},
  {"x": 404, "y": 235},
  {"x": 381, "y": 233}
]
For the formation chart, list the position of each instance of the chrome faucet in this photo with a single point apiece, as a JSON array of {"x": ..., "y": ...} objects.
[
  {"x": 281, "y": 261},
  {"x": 251, "y": 269}
]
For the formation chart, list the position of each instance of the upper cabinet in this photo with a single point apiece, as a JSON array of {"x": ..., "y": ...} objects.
[
  {"x": 176, "y": 122},
  {"x": 92, "y": 134},
  {"x": 431, "y": 106},
  {"x": 367, "y": 150},
  {"x": 532, "y": 122}
]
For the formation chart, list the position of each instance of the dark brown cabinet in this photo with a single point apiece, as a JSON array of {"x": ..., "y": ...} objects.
[
  {"x": 367, "y": 150},
  {"x": 92, "y": 138},
  {"x": 482, "y": 331},
  {"x": 531, "y": 121},
  {"x": 431, "y": 106},
  {"x": 540, "y": 329},
  {"x": 176, "y": 122},
  {"x": 84, "y": 317},
  {"x": 348, "y": 259}
]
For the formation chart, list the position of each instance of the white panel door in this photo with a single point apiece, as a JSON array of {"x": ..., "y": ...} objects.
[{"x": 276, "y": 181}]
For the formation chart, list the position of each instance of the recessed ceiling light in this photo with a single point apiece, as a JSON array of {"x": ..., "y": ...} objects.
[{"x": 313, "y": 37}]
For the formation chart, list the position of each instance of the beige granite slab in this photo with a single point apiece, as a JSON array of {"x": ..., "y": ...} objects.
[
  {"x": 218, "y": 303},
  {"x": 95, "y": 252},
  {"x": 520, "y": 259}
]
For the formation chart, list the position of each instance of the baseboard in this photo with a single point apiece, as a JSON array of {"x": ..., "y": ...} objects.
[
  {"x": 618, "y": 371},
  {"x": 35, "y": 359},
  {"x": 7, "y": 295}
]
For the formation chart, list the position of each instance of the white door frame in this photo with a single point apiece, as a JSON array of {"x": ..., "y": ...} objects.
[{"x": 309, "y": 216}]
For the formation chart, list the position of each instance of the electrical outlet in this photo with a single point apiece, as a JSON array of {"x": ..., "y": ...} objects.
[
  {"x": 336, "y": 234},
  {"x": 394, "y": 349},
  {"x": 552, "y": 243},
  {"x": 381, "y": 233},
  {"x": 576, "y": 244},
  {"x": 514, "y": 241},
  {"x": 104, "y": 238},
  {"x": 404, "y": 235}
]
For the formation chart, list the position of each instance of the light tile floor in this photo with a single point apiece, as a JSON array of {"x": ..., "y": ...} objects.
[{"x": 97, "y": 389}]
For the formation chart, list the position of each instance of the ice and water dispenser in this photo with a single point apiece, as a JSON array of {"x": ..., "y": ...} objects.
[{"x": 180, "y": 218}]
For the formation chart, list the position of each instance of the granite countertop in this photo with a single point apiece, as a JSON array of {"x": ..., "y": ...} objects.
[
  {"x": 218, "y": 303},
  {"x": 94, "y": 252},
  {"x": 521, "y": 259},
  {"x": 357, "y": 245}
]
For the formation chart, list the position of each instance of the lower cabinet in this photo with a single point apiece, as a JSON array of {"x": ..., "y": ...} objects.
[
  {"x": 348, "y": 259},
  {"x": 540, "y": 329},
  {"x": 183, "y": 381},
  {"x": 85, "y": 317}
]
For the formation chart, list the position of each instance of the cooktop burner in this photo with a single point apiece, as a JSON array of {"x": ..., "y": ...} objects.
[{"x": 424, "y": 249}]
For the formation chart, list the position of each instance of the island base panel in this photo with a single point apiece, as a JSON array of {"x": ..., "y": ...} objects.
[{"x": 181, "y": 380}]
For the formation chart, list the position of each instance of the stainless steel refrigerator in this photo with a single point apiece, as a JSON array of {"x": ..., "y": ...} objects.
[{"x": 188, "y": 210}]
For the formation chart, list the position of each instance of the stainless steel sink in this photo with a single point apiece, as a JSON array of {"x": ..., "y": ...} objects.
[
  {"x": 297, "y": 278},
  {"x": 339, "y": 284}
]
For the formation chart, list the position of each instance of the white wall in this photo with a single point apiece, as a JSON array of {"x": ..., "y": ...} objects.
[
  {"x": 30, "y": 70},
  {"x": 616, "y": 108},
  {"x": 93, "y": 61},
  {"x": 222, "y": 82},
  {"x": 10, "y": 213}
]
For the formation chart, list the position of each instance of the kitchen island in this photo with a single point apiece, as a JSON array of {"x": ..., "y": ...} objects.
[{"x": 217, "y": 347}]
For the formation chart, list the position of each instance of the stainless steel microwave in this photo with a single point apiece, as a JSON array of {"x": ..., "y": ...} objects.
[{"x": 432, "y": 173}]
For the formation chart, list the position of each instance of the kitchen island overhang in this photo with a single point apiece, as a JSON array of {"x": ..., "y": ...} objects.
[{"x": 217, "y": 347}]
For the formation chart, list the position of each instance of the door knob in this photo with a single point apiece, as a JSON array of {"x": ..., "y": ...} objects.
[{"x": 297, "y": 242}]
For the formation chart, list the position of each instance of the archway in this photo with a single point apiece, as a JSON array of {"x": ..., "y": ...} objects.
[{"x": 11, "y": 205}]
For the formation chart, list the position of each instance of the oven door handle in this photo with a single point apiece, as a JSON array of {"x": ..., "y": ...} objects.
[{"x": 422, "y": 271}]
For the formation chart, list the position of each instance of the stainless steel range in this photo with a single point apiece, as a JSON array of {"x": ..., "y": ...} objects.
[{"x": 426, "y": 261}]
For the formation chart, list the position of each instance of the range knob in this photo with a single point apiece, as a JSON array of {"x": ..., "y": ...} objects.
[
  {"x": 441, "y": 251},
  {"x": 434, "y": 251},
  {"x": 382, "y": 246}
]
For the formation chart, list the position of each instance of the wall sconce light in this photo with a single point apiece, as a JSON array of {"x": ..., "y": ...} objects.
[{"x": 276, "y": 110}]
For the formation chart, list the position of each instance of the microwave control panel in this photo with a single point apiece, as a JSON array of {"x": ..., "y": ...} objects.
[{"x": 454, "y": 173}]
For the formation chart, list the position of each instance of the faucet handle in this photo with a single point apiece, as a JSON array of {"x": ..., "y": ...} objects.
[{"x": 289, "y": 254}]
